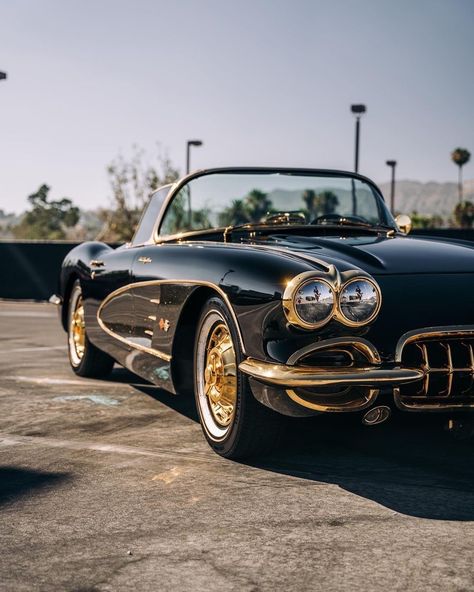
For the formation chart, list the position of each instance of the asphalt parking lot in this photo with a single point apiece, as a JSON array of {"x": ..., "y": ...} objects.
[{"x": 109, "y": 486}]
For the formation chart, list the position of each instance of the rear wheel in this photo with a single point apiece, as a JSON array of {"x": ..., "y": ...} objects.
[
  {"x": 234, "y": 423},
  {"x": 86, "y": 360}
]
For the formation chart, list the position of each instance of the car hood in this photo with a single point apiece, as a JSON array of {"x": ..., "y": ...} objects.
[{"x": 380, "y": 255}]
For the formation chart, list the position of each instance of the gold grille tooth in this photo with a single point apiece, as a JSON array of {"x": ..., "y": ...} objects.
[
  {"x": 449, "y": 368},
  {"x": 470, "y": 369},
  {"x": 453, "y": 365}
]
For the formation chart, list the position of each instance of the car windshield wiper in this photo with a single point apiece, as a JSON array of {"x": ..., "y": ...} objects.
[{"x": 351, "y": 222}]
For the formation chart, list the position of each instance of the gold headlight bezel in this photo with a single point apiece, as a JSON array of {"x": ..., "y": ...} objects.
[
  {"x": 340, "y": 316},
  {"x": 289, "y": 301},
  {"x": 334, "y": 283}
]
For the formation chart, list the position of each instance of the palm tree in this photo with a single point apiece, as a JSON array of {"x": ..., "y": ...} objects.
[
  {"x": 237, "y": 213},
  {"x": 258, "y": 205},
  {"x": 322, "y": 203},
  {"x": 460, "y": 156},
  {"x": 464, "y": 214}
]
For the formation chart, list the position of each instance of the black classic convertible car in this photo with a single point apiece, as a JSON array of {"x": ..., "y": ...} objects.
[{"x": 270, "y": 292}]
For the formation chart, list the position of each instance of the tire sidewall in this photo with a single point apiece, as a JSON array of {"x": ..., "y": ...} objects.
[
  {"x": 75, "y": 361},
  {"x": 226, "y": 444}
]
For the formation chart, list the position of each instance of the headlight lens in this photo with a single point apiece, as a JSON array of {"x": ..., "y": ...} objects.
[
  {"x": 359, "y": 301},
  {"x": 314, "y": 302}
]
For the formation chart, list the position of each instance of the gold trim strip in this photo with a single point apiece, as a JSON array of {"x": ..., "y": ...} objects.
[
  {"x": 369, "y": 399},
  {"x": 304, "y": 376},
  {"x": 155, "y": 352}
]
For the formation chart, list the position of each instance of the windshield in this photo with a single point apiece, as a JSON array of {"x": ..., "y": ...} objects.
[{"x": 232, "y": 199}]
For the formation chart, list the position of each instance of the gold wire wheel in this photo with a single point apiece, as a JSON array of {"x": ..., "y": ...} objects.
[
  {"x": 220, "y": 380},
  {"x": 78, "y": 328}
]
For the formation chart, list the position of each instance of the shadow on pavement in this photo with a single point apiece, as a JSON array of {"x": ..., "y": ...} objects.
[
  {"x": 409, "y": 464},
  {"x": 16, "y": 482},
  {"x": 183, "y": 405}
]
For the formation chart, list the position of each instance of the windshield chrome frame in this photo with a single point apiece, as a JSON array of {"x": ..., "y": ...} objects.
[{"x": 178, "y": 185}]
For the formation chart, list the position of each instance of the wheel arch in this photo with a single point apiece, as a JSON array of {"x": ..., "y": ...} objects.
[
  {"x": 73, "y": 276},
  {"x": 183, "y": 344}
]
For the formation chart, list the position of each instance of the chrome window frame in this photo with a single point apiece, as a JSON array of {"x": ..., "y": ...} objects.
[{"x": 180, "y": 183}]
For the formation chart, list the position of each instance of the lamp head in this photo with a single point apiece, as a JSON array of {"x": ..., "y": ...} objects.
[{"x": 358, "y": 109}]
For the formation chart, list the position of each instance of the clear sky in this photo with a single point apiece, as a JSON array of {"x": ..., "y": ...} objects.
[{"x": 261, "y": 82}]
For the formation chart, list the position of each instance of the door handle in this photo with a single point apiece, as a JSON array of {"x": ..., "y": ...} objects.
[
  {"x": 97, "y": 263},
  {"x": 144, "y": 259}
]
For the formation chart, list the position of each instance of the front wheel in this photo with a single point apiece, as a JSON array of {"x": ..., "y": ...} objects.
[
  {"x": 85, "y": 359},
  {"x": 234, "y": 423}
]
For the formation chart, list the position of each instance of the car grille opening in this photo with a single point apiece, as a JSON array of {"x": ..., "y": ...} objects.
[{"x": 448, "y": 364}]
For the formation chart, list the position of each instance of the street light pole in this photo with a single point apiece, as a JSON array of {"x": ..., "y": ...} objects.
[
  {"x": 392, "y": 164},
  {"x": 358, "y": 111},
  {"x": 190, "y": 143}
]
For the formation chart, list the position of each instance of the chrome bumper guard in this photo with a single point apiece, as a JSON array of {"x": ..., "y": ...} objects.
[
  {"x": 366, "y": 375},
  {"x": 286, "y": 376}
]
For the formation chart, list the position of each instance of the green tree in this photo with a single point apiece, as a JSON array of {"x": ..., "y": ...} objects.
[
  {"x": 319, "y": 204},
  {"x": 258, "y": 205},
  {"x": 46, "y": 219},
  {"x": 309, "y": 198},
  {"x": 464, "y": 214},
  {"x": 235, "y": 214},
  {"x": 253, "y": 208},
  {"x": 426, "y": 221},
  {"x": 132, "y": 181},
  {"x": 460, "y": 156}
]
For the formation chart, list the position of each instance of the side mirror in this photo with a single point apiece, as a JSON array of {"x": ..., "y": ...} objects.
[{"x": 404, "y": 223}]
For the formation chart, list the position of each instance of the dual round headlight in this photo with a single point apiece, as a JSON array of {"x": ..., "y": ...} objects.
[{"x": 313, "y": 302}]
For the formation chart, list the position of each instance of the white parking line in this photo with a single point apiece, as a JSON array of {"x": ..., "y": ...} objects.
[
  {"x": 21, "y": 350},
  {"x": 84, "y": 382},
  {"x": 14, "y": 440},
  {"x": 38, "y": 380},
  {"x": 27, "y": 313}
]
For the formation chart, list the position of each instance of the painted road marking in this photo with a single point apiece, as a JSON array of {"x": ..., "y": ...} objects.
[
  {"x": 14, "y": 440},
  {"x": 44, "y": 315},
  {"x": 88, "y": 382},
  {"x": 37, "y": 380},
  {"x": 21, "y": 350},
  {"x": 97, "y": 399}
]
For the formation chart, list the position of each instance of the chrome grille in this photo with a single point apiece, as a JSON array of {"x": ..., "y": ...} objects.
[{"x": 447, "y": 360}]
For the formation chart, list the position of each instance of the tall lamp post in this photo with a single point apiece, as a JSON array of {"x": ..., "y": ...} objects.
[
  {"x": 392, "y": 164},
  {"x": 358, "y": 111},
  {"x": 190, "y": 143}
]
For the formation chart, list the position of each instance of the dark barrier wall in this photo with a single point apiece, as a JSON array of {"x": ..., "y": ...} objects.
[
  {"x": 456, "y": 233},
  {"x": 29, "y": 270}
]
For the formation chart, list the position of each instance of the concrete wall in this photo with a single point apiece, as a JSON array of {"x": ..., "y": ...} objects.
[{"x": 29, "y": 269}]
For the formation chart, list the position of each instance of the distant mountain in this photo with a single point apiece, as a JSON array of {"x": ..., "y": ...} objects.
[
  {"x": 427, "y": 198},
  {"x": 410, "y": 196}
]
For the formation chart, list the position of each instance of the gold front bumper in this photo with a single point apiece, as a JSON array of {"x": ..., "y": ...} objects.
[
  {"x": 432, "y": 370},
  {"x": 286, "y": 376}
]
